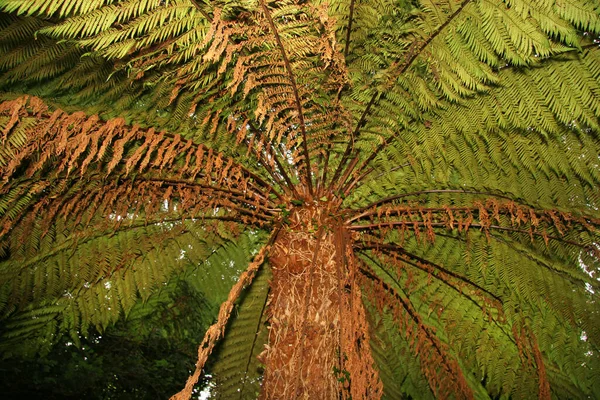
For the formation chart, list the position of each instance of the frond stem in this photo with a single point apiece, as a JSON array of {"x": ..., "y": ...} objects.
[
  {"x": 370, "y": 158},
  {"x": 217, "y": 330},
  {"x": 389, "y": 248},
  {"x": 292, "y": 79},
  {"x": 415, "y": 51},
  {"x": 346, "y": 190},
  {"x": 203, "y": 12},
  {"x": 349, "y": 31},
  {"x": 344, "y": 177},
  {"x": 375, "y": 277},
  {"x": 413, "y": 54},
  {"x": 444, "y": 225},
  {"x": 290, "y": 186},
  {"x": 406, "y": 304},
  {"x": 265, "y": 163},
  {"x": 361, "y": 212}
]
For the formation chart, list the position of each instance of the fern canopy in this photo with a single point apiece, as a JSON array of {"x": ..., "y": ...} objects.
[{"x": 439, "y": 157}]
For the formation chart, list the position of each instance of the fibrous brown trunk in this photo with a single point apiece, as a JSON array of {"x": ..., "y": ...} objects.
[{"x": 318, "y": 340}]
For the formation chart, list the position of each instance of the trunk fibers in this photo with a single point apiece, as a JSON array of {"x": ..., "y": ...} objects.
[{"x": 318, "y": 345}]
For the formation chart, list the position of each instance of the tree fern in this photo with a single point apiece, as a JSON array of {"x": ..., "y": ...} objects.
[{"x": 426, "y": 173}]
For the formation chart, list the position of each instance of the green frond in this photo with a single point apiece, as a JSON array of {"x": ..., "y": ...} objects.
[
  {"x": 53, "y": 8},
  {"x": 398, "y": 368},
  {"x": 92, "y": 22},
  {"x": 236, "y": 371},
  {"x": 466, "y": 327},
  {"x": 105, "y": 278},
  {"x": 523, "y": 128},
  {"x": 445, "y": 152}
]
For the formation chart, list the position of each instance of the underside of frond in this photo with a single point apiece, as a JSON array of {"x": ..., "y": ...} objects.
[
  {"x": 485, "y": 267},
  {"x": 87, "y": 196},
  {"x": 84, "y": 167},
  {"x": 432, "y": 165}
]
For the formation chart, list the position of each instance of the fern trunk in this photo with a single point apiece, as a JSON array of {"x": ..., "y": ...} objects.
[{"x": 318, "y": 339}]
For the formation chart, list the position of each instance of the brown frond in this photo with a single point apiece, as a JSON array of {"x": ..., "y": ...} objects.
[
  {"x": 491, "y": 215},
  {"x": 442, "y": 371},
  {"x": 279, "y": 68},
  {"x": 391, "y": 199},
  {"x": 74, "y": 166},
  {"x": 531, "y": 356},
  {"x": 294, "y": 85}
]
